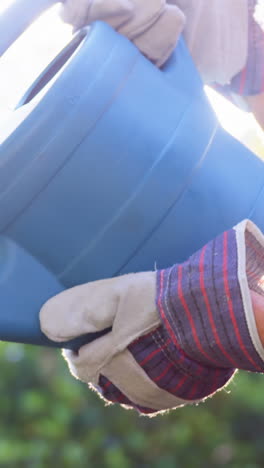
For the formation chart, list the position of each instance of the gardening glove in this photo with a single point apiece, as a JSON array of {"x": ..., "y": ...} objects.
[
  {"x": 178, "y": 334},
  {"x": 215, "y": 31},
  {"x": 153, "y": 26}
]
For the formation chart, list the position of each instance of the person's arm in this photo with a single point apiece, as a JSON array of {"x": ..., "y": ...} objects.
[
  {"x": 246, "y": 88},
  {"x": 178, "y": 335}
]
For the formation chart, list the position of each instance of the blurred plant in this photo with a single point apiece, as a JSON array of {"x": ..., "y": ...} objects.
[{"x": 49, "y": 419}]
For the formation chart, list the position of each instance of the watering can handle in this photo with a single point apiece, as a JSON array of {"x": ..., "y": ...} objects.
[
  {"x": 20, "y": 14},
  {"x": 17, "y": 17}
]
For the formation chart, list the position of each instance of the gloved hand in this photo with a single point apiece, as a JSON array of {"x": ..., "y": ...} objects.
[
  {"x": 153, "y": 26},
  {"x": 175, "y": 350},
  {"x": 215, "y": 31}
]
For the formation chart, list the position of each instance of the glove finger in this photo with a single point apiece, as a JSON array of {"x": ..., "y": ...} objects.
[
  {"x": 135, "y": 314},
  {"x": 87, "y": 363},
  {"x": 115, "y": 13},
  {"x": 159, "y": 41},
  {"x": 91, "y": 307},
  {"x": 87, "y": 308},
  {"x": 75, "y": 12},
  {"x": 81, "y": 13},
  {"x": 144, "y": 15},
  {"x": 130, "y": 17}
]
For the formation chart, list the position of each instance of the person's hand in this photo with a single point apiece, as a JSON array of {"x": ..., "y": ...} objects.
[
  {"x": 215, "y": 31},
  {"x": 153, "y": 26},
  {"x": 183, "y": 346},
  {"x": 127, "y": 304}
]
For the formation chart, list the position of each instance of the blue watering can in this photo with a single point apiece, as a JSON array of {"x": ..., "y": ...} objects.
[{"x": 109, "y": 165}]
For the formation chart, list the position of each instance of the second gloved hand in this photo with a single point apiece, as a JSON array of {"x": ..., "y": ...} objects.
[{"x": 153, "y": 26}]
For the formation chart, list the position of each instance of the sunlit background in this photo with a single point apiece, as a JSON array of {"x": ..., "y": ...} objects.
[{"x": 42, "y": 41}]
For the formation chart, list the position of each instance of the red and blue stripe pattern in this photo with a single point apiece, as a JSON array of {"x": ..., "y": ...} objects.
[
  {"x": 203, "y": 336},
  {"x": 112, "y": 394},
  {"x": 200, "y": 302}
]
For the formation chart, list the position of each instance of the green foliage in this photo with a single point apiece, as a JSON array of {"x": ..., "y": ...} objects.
[{"x": 48, "y": 419}]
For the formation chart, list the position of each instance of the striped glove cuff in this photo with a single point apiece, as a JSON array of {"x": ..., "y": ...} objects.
[
  {"x": 205, "y": 302},
  {"x": 207, "y": 326}
]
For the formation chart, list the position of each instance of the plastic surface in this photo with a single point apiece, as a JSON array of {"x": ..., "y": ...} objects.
[
  {"x": 118, "y": 167},
  {"x": 32, "y": 282}
]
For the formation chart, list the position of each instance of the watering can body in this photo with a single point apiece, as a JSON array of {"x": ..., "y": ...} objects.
[{"x": 110, "y": 165}]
